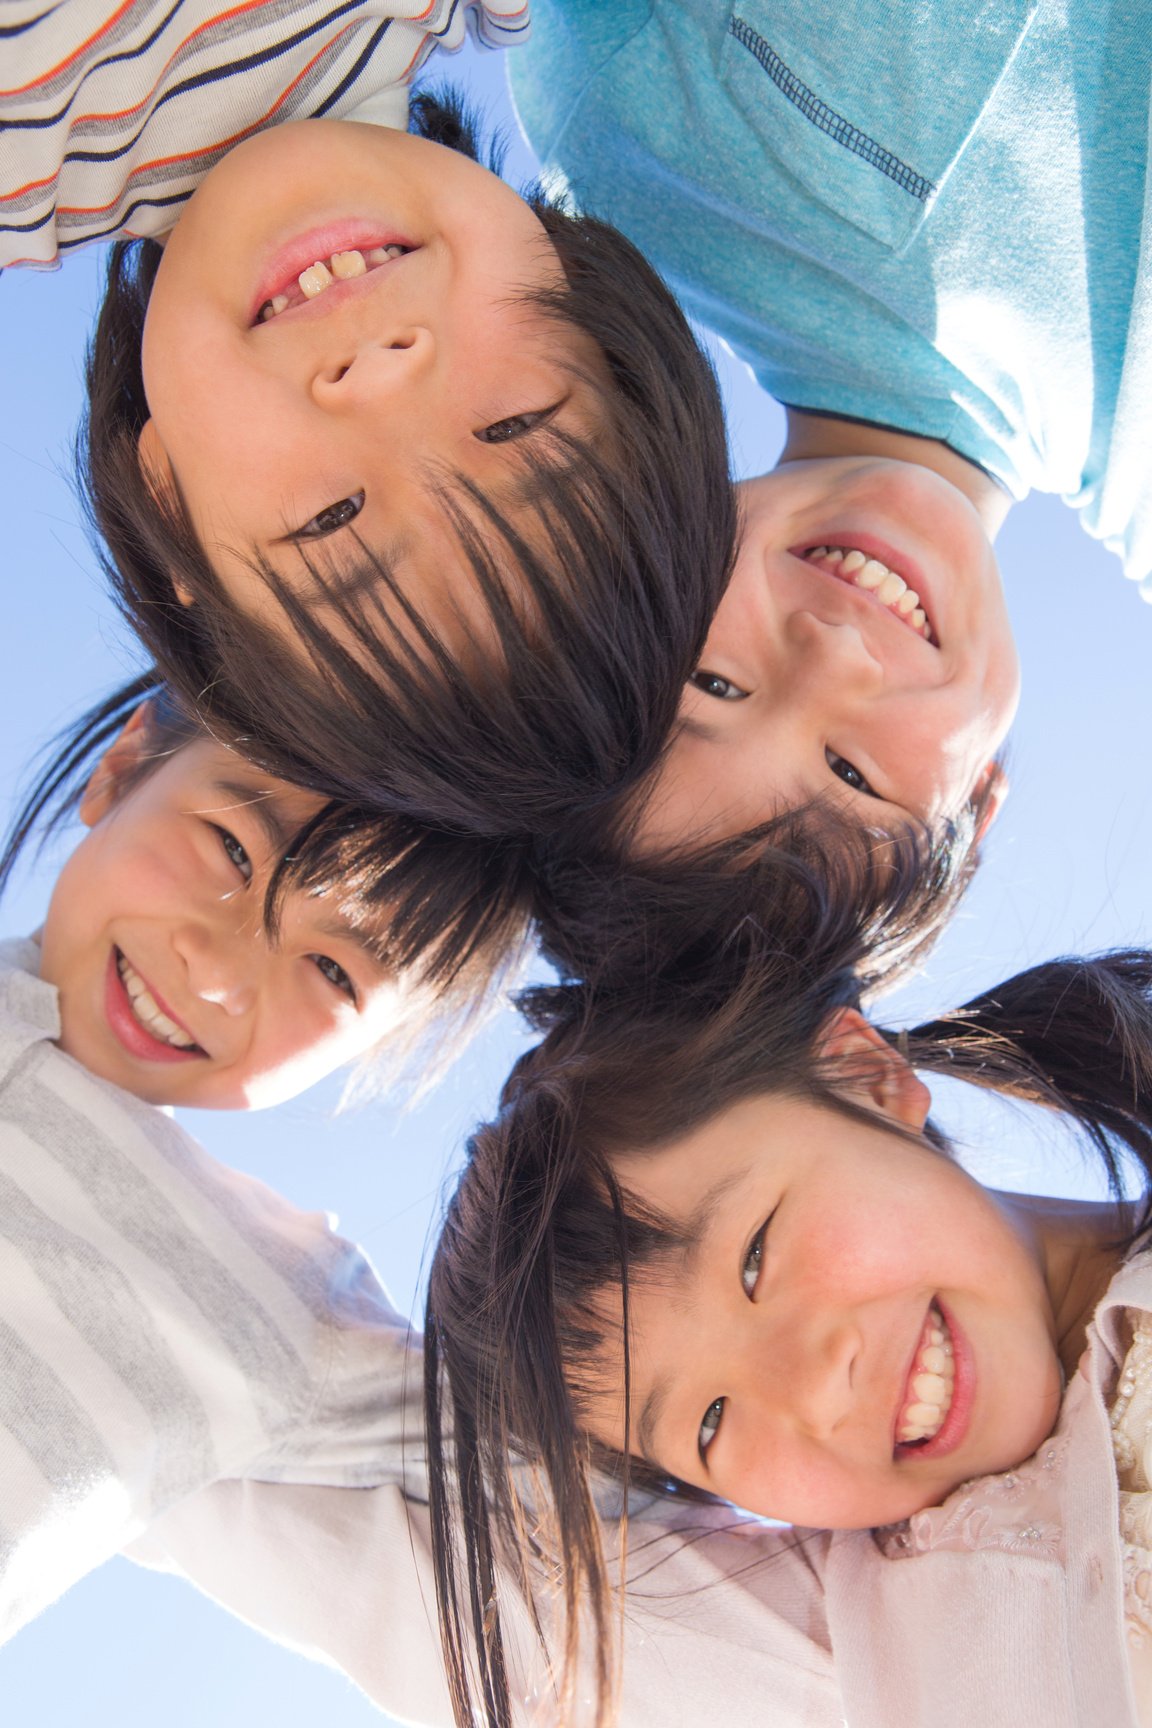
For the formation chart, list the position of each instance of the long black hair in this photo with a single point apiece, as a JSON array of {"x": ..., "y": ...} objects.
[{"x": 704, "y": 1008}]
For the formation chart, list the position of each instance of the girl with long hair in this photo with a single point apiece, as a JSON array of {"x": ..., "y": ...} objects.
[{"x": 714, "y": 1247}]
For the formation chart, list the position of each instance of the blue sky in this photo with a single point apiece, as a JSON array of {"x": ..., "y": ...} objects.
[{"x": 1066, "y": 871}]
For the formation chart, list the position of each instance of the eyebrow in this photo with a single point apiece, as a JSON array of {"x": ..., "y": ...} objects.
[
  {"x": 262, "y": 804},
  {"x": 689, "y": 1243},
  {"x": 347, "y": 932}
]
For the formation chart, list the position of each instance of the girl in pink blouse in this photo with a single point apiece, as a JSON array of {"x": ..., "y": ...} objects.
[{"x": 714, "y": 1244}]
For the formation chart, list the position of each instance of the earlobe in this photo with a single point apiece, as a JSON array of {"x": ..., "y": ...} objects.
[
  {"x": 125, "y": 754},
  {"x": 871, "y": 1071},
  {"x": 990, "y": 792},
  {"x": 154, "y": 463}
]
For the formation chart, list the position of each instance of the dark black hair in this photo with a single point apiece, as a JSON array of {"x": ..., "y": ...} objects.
[
  {"x": 456, "y": 948},
  {"x": 600, "y": 613},
  {"x": 689, "y": 1016}
]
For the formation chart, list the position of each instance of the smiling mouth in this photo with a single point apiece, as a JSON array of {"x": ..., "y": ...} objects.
[
  {"x": 319, "y": 276},
  {"x": 931, "y": 1386},
  {"x": 887, "y": 587},
  {"x": 148, "y": 1014}
]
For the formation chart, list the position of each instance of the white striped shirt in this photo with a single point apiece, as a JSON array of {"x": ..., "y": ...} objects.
[
  {"x": 164, "y": 1322},
  {"x": 110, "y": 116}
]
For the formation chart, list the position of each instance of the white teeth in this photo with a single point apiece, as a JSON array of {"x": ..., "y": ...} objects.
[
  {"x": 872, "y": 574},
  {"x": 314, "y": 280},
  {"x": 320, "y": 275},
  {"x": 876, "y": 578},
  {"x": 930, "y": 1385},
  {"x": 345, "y": 265},
  {"x": 148, "y": 1011}
]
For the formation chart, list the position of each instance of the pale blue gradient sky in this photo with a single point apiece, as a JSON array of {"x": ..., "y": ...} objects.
[{"x": 1066, "y": 870}]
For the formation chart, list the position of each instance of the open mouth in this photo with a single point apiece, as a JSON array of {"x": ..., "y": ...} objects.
[
  {"x": 930, "y": 1387},
  {"x": 322, "y": 273},
  {"x": 886, "y": 586},
  {"x": 147, "y": 1013}
]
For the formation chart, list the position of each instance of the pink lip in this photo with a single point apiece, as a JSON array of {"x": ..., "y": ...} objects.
[
  {"x": 349, "y": 234},
  {"x": 127, "y": 1029},
  {"x": 955, "y": 1426},
  {"x": 874, "y": 547}
]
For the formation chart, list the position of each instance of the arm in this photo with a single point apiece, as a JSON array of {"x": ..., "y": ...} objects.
[
  {"x": 722, "y": 1613},
  {"x": 163, "y": 1322}
]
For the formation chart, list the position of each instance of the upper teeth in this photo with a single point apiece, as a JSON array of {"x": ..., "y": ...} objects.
[
  {"x": 147, "y": 1010},
  {"x": 931, "y": 1382},
  {"x": 340, "y": 267},
  {"x": 869, "y": 573}
]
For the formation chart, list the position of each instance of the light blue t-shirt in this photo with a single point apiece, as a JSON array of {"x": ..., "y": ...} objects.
[{"x": 926, "y": 213}]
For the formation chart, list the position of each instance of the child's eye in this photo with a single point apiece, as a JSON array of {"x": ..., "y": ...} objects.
[
  {"x": 235, "y": 853},
  {"x": 850, "y": 774},
  {"x": 710, "y": 1425},
  {"x": 711, "y": 684},
  {"x": 335, "y": 974},
  {"x": 328, "y": 521},
  {"x": 750, "y": 1276},
  {"x": 516, "y": 426}
]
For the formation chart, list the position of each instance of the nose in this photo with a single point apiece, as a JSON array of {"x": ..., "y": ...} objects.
[
  {"x": 832, "y": 657},
  {"x": 221, "y": 967},
  {"x": 365, "y": 367},
  {"x": 813, "y": 1356}
]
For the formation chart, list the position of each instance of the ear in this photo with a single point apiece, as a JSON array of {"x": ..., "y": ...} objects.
[
  {"x": 160, "y": 480},
  {"x": 106, "y": 783},
  {"x": 875, "y": 1074},
  {"x": 993, "y": 787}
]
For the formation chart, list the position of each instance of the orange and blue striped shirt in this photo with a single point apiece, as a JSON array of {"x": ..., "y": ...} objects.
[{"x": 111, "y": 115}]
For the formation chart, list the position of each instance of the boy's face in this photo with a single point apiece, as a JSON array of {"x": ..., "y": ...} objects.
[
  {"x": 820, "y": 677},
  {"x": 333, "y": 418},
  {"x": 169, "y": 985}
]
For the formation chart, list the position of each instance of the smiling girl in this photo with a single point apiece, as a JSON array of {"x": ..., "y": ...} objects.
[{"x": 714, "y": 1244}]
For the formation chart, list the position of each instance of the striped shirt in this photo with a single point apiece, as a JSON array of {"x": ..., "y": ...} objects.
[
  {"x": 164, "y": 1322},
  {"x": 110, "y": 116}
]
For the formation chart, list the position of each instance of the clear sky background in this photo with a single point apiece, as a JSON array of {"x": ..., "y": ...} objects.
[{"x": 1066, "y": 871}]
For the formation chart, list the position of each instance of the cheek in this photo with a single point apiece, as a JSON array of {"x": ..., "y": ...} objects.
[{"x": 299, "y": 1044}]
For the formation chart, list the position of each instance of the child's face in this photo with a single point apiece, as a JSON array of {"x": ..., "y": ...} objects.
[
  {"x": 334, "y": 418},
  {"x": 774, "y": 1364},
  {"x": 810, "y": 684},
  {"x": 169, "y": 985}
]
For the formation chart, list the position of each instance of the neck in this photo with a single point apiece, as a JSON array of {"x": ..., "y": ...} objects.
[
  {"x": 815, "y": 435},
  {"x": 1074, "y": 1241}
]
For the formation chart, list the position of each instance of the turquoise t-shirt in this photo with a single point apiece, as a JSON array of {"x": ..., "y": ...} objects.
[{"x": 927, "y": 213}]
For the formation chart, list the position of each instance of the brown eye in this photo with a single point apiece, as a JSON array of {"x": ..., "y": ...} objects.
[
  {"x": 720, "y": 689},
  {"x": 710, "y": 1424},
  {"x": 335, "y": 517},
  {"x": 234, "y": 852},
  {"x": 849, "y": 773},
  {"x": 335, "y": 974},
  {"x": 516, "y": 426}
]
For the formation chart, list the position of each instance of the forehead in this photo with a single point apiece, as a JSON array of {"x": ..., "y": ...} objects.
[{"x": 221, "y": 783}]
